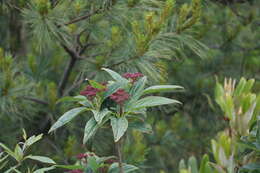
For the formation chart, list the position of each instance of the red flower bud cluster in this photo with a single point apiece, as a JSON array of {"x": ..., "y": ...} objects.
[
  {"x": 120, "y": 96},
  {"x": 81, "y": 156},
  {"x": 110, "y": 161},
  {"x": 90, "y": 92},
  {"x": 84, "y": 155},
  {"x": 133, "y": 76}
]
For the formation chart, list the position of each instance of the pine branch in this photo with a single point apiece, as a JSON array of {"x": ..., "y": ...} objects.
[
  {"x": 66, "y": 73},
  {"x": 35, "y": 100},
  {"x": 78, "y": 19}
]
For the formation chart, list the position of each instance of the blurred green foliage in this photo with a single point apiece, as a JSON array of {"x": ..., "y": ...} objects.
[{"x": 47, "y": 50}]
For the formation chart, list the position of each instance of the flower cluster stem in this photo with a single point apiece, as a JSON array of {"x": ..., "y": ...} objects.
[{"x": 119, "y": 154}]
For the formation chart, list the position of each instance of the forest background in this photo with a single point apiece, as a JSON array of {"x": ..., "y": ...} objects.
[{"x": 49, "y": 47}]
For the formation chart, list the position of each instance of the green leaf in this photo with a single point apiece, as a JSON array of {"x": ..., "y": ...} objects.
[
  {"x": 42, "y": 159},
  {"x": 70, "y": 166},
  {"x": 204, "y": 165},
  {"x": 8, "y": 151},
  {"x": 31, "y": 140},
  {"x": 93, "y": 164},
  {"x": 114, "y": 168},
  {"x": 119, "y": 127},
  {"x": 96, "y": 84},
  {"x": 99, "y": 115},
  {"x": 193, "y": 164},
  {"x": 251, "y": 167},
  {"x": 3, "y": 164},
  {"x": 67, "y": 117},
  {"x": 18, "y": 152},
  {"x": 182, "y": 165},
  {"x": 43, "y": 170},
  {"x": 113, "y": 88},
  {"x": 138, "y": 88},
  {"x": 91, "y": 128},
  {"x": 151, "y": 101},
  {"x": 11, "y": 169},
  {"x": 2, "y": 158},
  {"x": 115, "y": 75},
  {"x": 240, "y": 87},
  {"x": 162, "y": 88},
  {"x": 248, "y": 86},
  {"x": 217, "y": 167}
]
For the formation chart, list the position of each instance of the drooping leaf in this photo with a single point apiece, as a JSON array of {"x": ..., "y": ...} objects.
[
  {"x": 114, "y": 168},
  {"x": 162, "y": 88},
  {"x": 119, "y": 127},
  {"x": 151, "y": 101},
  {"x": 42, "y": 159},
  {"x": 67, "y": 117},
  {"x": 116, "y": 76},
  {"x": 91, "y": 128}
]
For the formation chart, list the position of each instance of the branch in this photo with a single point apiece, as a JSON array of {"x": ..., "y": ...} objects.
[
  {"x": 119, "y": 155},
  {"x": 78, "y": 19},
  {"x": 14, "y": 6},
  {"x": 35, "y": 100},
  {"x": 66, "y": 75}
]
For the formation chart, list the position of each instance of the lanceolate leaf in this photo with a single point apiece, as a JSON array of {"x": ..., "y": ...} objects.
[
  {"x": 18, "y": 152},
  {"x": 162, "y": 88},
  {"x": 138, "y": 88},
  {"x": 151, "y": 101},
  {"x": 99, "y": 115},
  {"x": 67, "y": 117},
  {"x": 119, "y": 127},
  {"x": 204, "y": 165},
  {"x": 193, "y": 164},
  {"x": 31, "y": 140},
  {"x": 116, "y": 76},
  {"x": 90, "y": 129},
  {"x": 2, "y": 165},
  {"x": 41, "y": 159},
  {"x": 114, "y": 168},
  {"x": 8, "y": 151},
  {"x": 96, "y": 84},
  {"x": 43, "y": 170}
]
